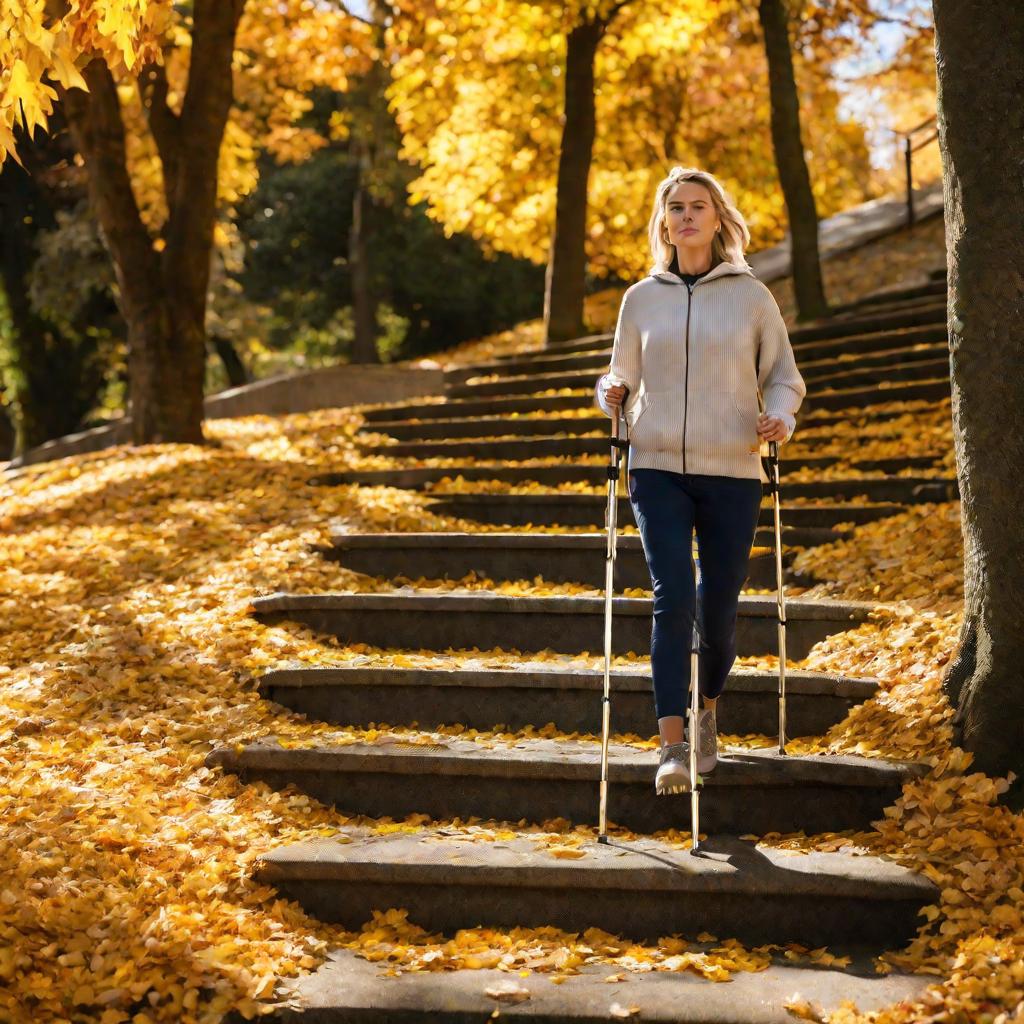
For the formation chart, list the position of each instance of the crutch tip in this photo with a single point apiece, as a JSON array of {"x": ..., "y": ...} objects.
[{"x": 603, "y": 839}]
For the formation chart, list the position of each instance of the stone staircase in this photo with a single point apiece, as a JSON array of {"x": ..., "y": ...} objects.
[{"x": 880, "y": 349}]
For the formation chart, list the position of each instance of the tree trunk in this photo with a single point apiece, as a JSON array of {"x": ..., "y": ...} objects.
[
  {"x": 367, "y": 132},
  {"x": 979, "y": 48},
  {"x": 364, "y": 302},
  {"x": 567, "y": 262},
  {"x": 234, "y": 366},
  {"x": 6, "y": 435},
  {"x": 163, "y": 294},
  {"x": 792, "y": 166}
]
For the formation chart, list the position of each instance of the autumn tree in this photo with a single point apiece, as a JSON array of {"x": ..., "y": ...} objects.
[
  {"x": 482, "y": 97},
  {"x": 168, "y": 105},
  {"x": 979, "y": 47},
  {"x": 367, "y": 132},
  {"x": 788, "y": 144},
  {"x": 51, "y": 364}
]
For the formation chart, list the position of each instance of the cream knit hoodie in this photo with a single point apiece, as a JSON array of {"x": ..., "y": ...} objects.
[{"x": 696, "y": 359}]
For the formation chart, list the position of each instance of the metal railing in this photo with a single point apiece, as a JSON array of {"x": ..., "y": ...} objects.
[{"x": 910, "y": 147}]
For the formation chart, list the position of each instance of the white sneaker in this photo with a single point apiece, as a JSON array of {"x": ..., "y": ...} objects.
[
  {"x": 707, "y": 749},
  {"x": 673, "y": 770}
]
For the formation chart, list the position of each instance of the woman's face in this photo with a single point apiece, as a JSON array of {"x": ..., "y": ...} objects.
[{"x": 690, "y": 217}]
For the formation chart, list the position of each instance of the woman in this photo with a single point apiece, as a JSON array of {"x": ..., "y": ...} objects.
[{"x": 697, "y": 342}]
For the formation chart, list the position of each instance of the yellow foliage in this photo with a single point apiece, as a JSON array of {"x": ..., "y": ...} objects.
[
  {"x": 283, "y": 49},
  {"x": 478, "y": 90},
  {"x": 126, "y": 578}
]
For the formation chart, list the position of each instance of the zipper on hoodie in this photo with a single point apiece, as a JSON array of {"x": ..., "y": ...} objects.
[{"x": 686, "y": 384}]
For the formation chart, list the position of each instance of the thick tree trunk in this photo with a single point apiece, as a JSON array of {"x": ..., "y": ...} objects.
[
  {"x": 979, "y": 48},
  {"x": 163, "y": 295},
  {"x": 166, "y": 404},
  {"x": 567, "y": 262},
  {"x": 364, "y": 302},
  {"x": 789, "y": 159}
]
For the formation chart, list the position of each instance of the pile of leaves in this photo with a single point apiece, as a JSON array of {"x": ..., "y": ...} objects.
[{"x": 129, "y": 652}]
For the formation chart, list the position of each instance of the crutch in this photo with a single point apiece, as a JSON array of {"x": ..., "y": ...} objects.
[
  {"x": 617, "y": 446},
  {"x": 696, "y": 782},
  {"x": 771, "y": 466}
]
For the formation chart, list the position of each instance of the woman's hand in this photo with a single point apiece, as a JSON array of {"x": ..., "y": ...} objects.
[
  {"x": 614, "y": 395},
  {"x": 771, "y": 428}
]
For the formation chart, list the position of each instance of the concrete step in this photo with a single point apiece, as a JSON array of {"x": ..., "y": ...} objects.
[
  {"x": 906, "y": 489},
  {"x": 492, "y": 406},
  {"x": 517, "y": 449},
  {"x": 348, "y": 989},
  {"x": 556, "y": 348},
  {"x": 485, "y": 620},
  {"x": 863, "y": 344},
  {"x": 884, "y": 364},
  {"x": 843, "y": 326},
  {"x": 500, "y": 406},
  {"x": 571, "y": 699},
  {"x": 492, "y": 426},
  {"x": 824, "y": 370},
  {"x": 933, "y": 289},
  {"x": 859, "y": 396},
  {"x": 813, "y": 418},
  {"x": 882, "y": 306},
  {"x": 642, "y": 889},
  {"x": 869, "y": 323},
  {"x": 544, "y": 426},
  {"x": 592, "y": 363},
  {"x": 589, "y": 510},
  {"x": 895, "y": 465},
  {"x": 750, "y": 791},
  {"x": 559, "y": 558},
  {"x": 818, "y": 369},
  {"x": 535, "y": 362},
  {"x": 526, "y": 384},
  {"x": 912, "y": 371}
]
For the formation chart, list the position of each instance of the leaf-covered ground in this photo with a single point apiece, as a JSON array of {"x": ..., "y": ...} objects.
[{"x": 126, "y": 890}]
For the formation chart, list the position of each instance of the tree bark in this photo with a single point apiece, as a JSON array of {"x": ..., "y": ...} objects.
[
  {"x": 566, "y": 271},
  {"x": 791, "y": 163},
  {"x": 234, "y": 366},
  {"x": 364, "y": 302},
  {"x": 163, "y": 294},
  {"x": 979, "y": 47},
  {"x": 368, "y": 133},
  {"x": 6, "y": 435}
]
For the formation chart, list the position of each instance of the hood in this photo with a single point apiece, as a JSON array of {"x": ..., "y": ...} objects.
[{"x": 722, "y": 270}]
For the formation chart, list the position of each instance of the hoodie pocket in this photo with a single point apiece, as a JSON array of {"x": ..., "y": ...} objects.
[
  {"x": 651, "y": 425},
  {"x": 745, "y": 413},
  {"x": 720, "y": 428}
]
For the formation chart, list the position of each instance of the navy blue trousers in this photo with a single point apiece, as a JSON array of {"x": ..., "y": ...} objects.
[{"x": 723, "y": 510}]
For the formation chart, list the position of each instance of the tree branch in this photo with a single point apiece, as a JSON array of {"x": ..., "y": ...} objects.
[
  {"x": 204, "y": 114},
  {"x": 615, "y": 10},
  {"x": 94, "y": 118},
  {"x": 163, "y": 123}
]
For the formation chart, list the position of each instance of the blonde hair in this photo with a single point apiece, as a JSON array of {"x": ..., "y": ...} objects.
[{"x": 728, "y": 244}]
